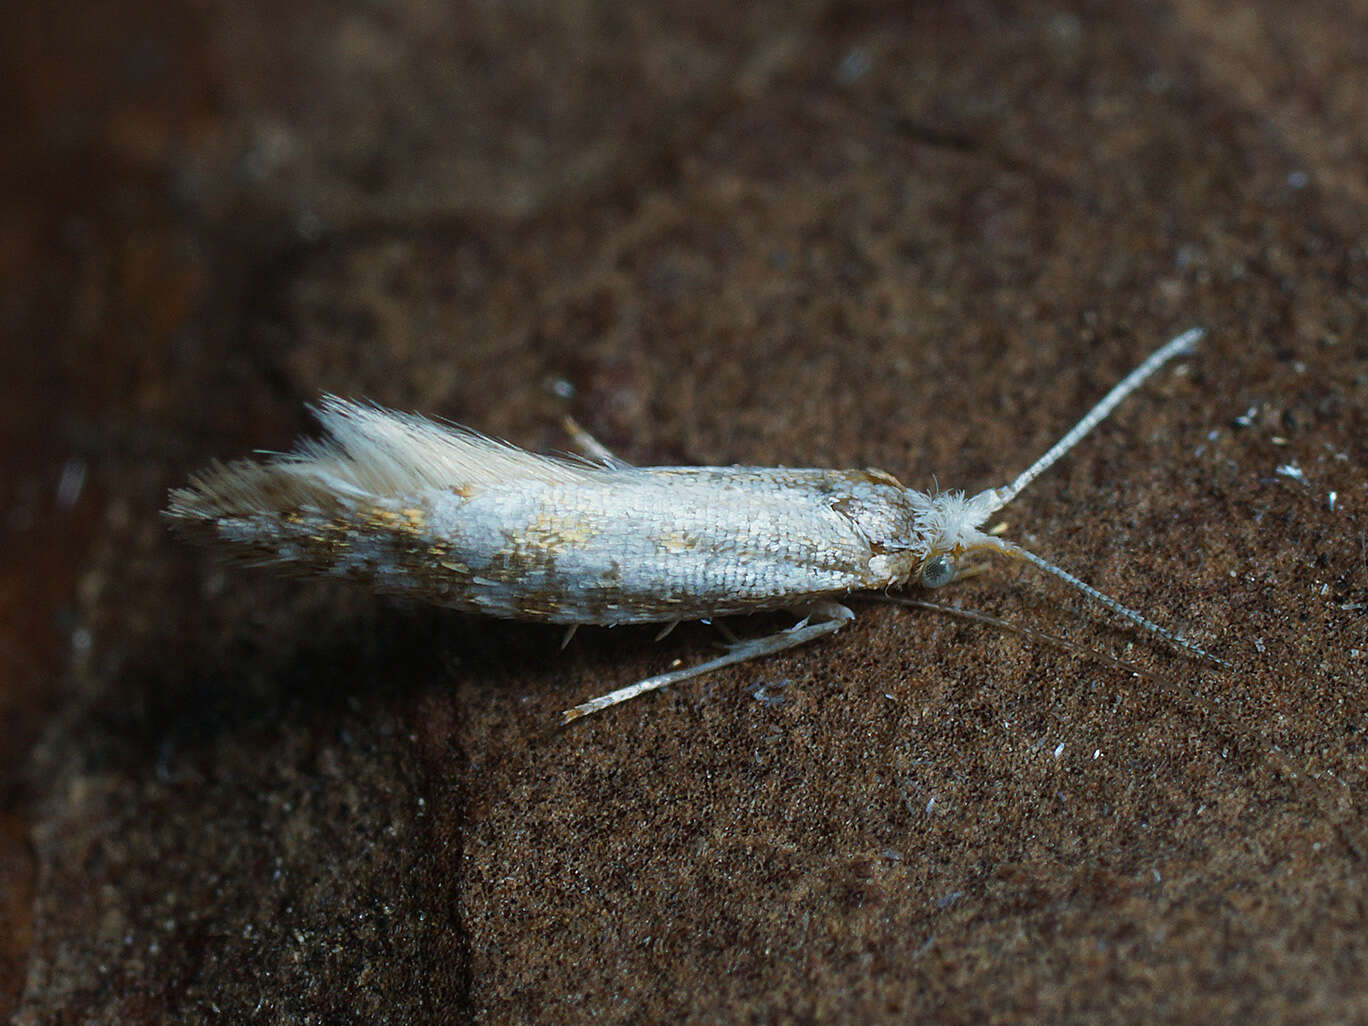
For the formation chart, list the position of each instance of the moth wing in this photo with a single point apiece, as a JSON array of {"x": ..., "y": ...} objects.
[{"x": 367, "y": 454}]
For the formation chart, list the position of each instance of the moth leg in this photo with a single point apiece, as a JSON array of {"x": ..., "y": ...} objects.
[
  {"x": 822, "y": 619},
  {"x": 591, "y": 446},
  {"x": 724, "y": 630}
]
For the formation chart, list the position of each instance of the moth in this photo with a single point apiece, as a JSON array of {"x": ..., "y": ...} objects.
[{"x": 407, "y": 506}]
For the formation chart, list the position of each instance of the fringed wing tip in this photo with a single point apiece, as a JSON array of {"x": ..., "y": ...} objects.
[
  {"x": 365, "y": 453},
  {"x": 219, "y": 490}
]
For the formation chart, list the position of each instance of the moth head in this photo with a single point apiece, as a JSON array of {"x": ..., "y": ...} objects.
[
  {"x": 950, "y": 527},
  {"x": 944, "y": 565}
]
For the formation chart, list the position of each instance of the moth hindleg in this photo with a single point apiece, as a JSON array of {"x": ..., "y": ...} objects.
[
  {"x": 590, "y": 446},
  {"x": 822, "y": 619}
]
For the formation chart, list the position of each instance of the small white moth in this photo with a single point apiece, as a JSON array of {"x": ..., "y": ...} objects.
[{"x": 407, "y": 506}]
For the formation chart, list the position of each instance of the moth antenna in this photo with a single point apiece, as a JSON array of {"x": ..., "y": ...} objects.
[
  {"x": 1176, "y": 640},
  {"x": 1184, "y": 343}
]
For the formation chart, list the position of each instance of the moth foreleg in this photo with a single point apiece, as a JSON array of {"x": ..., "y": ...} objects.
[
  {"x": 590, "y": 446},
  {"x": 822, "y": 619}
]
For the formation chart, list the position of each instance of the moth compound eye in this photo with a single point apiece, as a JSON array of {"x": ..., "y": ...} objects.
[{"x": 938, "y": 570}]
